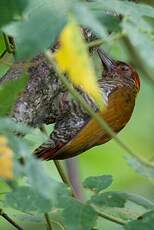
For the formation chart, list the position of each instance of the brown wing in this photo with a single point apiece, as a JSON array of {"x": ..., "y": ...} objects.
[{"x": 118, "y": 112}]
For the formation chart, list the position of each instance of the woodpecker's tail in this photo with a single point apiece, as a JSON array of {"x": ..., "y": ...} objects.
[{"x": 47, "y": 151}]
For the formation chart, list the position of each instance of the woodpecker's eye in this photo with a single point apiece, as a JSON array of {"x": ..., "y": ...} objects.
[{"x": 124, "y": 68}]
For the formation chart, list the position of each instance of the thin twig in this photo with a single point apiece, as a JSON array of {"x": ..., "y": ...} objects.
[
  {"x": 59, "y": 167},
  {"x": 72, "y": 169},
  {"x": 48, "y": 221},
  {"x": 61, "y": 172},
  {"x": 95, "y": 43},
  {"x": 58, "y": 224},
  {"x": 109, "y": 217},
  {"x": 98, "y": 42},
  {"x": 3, "y": 53},
  {"x": 12, "y": 222},
  {"x": 9, "y": 43},
  {"x": 103, "y": 124},
  {"x": 64, "y": 176}
]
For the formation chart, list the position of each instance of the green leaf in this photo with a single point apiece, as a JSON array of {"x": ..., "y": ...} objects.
[
  {"x": 9, "y": 92},
  {"x": 87, "y": 19},
  {"x": 43, "y": 20},
  {"x": 26, "y": 200},
  {"x": 144, "y": 222},
  {"x": 141, "y": 41},
  {"x": 11, "y": 10},
  {"x": 143, "y": 168},
  {"x": 8, "y": 125},
  {"x": 122, "y": 7},
  {"x": 5, "y": 62},
  {"x": 42, "y": 183},
  {"x": 111, "y": 22},
  {"x": 24, "y": 217},
  {"x": 3, "y": 69},
  {"x": 108, "y": 199},
  {"x": 118, "y": 199},
  {"x": 2, "y": 44},
  {"x": 137, "y": 199},
  {"x": 98, "y": 183},
  {"x": 77, "y": 216}
]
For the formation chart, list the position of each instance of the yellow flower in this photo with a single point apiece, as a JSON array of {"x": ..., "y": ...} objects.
[
  {"x": 6, "y": 163},
  {"x": 72, "y": 58}
]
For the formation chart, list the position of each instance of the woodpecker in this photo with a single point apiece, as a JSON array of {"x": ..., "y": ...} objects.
[{"x": 75, "y": 131}]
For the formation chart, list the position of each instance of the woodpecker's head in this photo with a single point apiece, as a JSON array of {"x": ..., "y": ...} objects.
[{"x": 119, "y": 69}]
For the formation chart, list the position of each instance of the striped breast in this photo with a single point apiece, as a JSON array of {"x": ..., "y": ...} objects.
[{"x": 117, "y": 113}]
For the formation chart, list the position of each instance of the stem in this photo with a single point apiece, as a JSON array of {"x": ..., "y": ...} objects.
[
  {"x": 12, "y": 222},
  {"x": 64, "y": 176},
  {"x": 103, "y": 124},
  {"x": 95, "y": 43},
  {"x": 109, "y": 217},
  {"x": 48, "y": 221},
  {"x": 110, "y": 38},
  {"x": 59, "y": 167},
  {"x": 9, "y": 43},
  {"x": 61, "y": 172},
  {"x": 3, "y": 53},
  {"x": 72, "y": 168}
]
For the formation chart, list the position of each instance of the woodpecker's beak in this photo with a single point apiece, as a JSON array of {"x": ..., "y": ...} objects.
[{"x": 107, "y": 62}]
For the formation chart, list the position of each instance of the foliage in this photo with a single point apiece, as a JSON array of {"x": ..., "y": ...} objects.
[{"x": 36, "y": 25}]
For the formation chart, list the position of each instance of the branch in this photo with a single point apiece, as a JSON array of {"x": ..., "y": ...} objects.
[
  {"x": 12, "y": 222},
  {"x": 109, "y": 217},
  {"x": 72, "y": 168},
  {"x": 64, "y": 176},
  {"x": 59, "y": 167},
  {"x": 48, "y": 221}
]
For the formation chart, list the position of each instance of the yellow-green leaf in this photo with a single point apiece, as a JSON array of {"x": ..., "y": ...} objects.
[
  {"x": 72, "y": 58},
  {"x": 6, "y": 162}
]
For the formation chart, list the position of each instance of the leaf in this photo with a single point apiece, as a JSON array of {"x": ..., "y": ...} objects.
[
  {"x": 87, "y": 19},
  {"x": 2, "y": 44},
  {"x": 72, "y": 58},
  {"x": 6, "y": 161},
  {"x": 24, "y": 217},
  {"x": 42, "y": 22},
  {"x": 122, "y": 7},
  {"x": 143, "y": 168},
  {"x": 5, "y": 60},
  {"x": 141, "y": 41},
  {"x": 9, "y": 92},
  {"x": 11, "y": 10},
  {"x": 144, "y": 222},
  {"x": 137, "y": 199},
  {"x": 8, "y": 125},
  {"x": 26, "y": 200},
  {"x": 98, "y": 183},
  {"x": 42, "y": 183},
  {"x": 118, "y": 199},
  {"x": 77, "y": 216},
  {"x": 108, "y": 199},
  {"x": 111, "y": 22}
]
